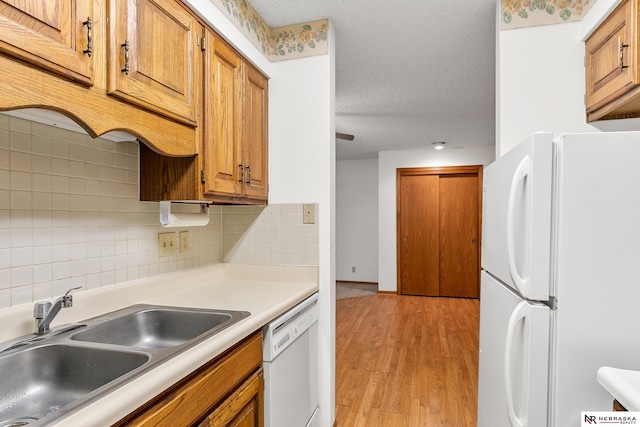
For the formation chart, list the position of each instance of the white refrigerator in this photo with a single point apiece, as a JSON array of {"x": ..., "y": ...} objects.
[{"x": 560, "y": 286}]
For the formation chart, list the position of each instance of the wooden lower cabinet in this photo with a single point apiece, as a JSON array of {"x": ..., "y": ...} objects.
[
  {"x": 228, "y": 391},
  {"x": 243, "y": 408}
]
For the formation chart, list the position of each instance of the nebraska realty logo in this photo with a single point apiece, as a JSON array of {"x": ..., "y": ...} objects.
[{"x": 609, "y": 418}]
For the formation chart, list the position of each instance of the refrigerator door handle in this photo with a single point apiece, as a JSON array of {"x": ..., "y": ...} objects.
[
  {"x": 521, "y": 172},
  {"x": 518, "y": 314}
]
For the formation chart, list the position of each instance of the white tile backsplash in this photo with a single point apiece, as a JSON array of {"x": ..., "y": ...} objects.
[
  {"x": 70, "y": 216},
  {"x": 269, "y": 235}
]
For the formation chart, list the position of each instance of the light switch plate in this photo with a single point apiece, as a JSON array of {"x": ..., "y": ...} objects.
[
  {"x": 308, "y": 213},
  {"x": 166, "y": 244}
]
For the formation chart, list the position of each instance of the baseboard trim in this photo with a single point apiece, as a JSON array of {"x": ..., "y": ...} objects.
[
  {"x": 388, "y": 292},
  {"x": 357, "y": 282}
]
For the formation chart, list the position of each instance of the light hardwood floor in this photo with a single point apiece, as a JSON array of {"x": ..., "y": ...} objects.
[{"x": 406, "y": 361}]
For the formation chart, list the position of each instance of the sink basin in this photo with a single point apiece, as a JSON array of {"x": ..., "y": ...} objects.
[
  {"x": 41, "y": 380},
  {"x": 157, "y": 327},
  {"x": 44, "y": 378}
]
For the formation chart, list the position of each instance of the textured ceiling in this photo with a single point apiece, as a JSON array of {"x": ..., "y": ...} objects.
[{"x": 408, "y": 72}]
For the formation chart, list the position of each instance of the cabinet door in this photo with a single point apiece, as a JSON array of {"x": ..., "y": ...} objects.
[
  {"x": 611, "y": 53},
  {"x": 243, "y": 408},
  {"x": 222, "y": 157},
  {"x": 155, "y": 58},
  {"x": 256, "y": 135},
  {"x": 50, "y": 34}
]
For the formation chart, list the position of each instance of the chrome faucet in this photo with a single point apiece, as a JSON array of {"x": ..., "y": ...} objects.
[{"x": 45, "y": 312}]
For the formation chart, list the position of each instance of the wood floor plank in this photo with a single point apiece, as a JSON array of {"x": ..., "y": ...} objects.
[
  {"x": 406, "y": 361},
  {"x": 341, "y": 414}
]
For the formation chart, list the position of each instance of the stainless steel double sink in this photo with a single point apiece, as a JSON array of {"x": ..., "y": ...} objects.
[{"x": 47, "y": 377}]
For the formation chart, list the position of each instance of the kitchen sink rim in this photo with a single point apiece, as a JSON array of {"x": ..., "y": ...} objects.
[{"x": 157, "y": 356}]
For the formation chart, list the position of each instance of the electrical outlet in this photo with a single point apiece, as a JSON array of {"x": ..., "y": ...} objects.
[
  {"x": 308, "y": 213},
  {"x": 353, "y": 269},
  {"x": 166, "y": 244},
  {"x": 185, "y": 242}
]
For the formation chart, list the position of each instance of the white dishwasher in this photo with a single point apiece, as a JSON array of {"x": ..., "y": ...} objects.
[{"x": 290, "y": 363}]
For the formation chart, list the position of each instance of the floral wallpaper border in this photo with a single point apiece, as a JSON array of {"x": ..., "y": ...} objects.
[
  {"x": 277, "y": 44},
  {"x": 529, "y": 13}
]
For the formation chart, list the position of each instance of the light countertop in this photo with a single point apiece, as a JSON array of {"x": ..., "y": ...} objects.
[
  {"x": 623, "y": 385},
  {"x": 264, "y": 291}
]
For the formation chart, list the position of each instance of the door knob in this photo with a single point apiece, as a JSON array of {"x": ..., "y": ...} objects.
[{"x": 474, "y": 240}]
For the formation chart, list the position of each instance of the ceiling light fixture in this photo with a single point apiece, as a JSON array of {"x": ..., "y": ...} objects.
[{"x": 439, "y": 145}]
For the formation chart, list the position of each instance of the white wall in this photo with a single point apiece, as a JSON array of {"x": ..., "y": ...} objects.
[
  {"x": 388, "y": 162},
  {"x": 357, "y": 220},
  {"x": 302, "y": 169},
  {"x": 541, "y": 81}
]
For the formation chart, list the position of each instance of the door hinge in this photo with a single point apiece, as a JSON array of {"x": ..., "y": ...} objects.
[
  {"x": 203, "y": 44},
  {"x": 202, "y": 180}
]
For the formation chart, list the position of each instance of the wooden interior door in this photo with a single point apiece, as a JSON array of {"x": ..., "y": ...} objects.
[
  {"x": 439, "y": 231},
  {"x": 459, "y": 209},
  {"x": 419, "y": 235}
]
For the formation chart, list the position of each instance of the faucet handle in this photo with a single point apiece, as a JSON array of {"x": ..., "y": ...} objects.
[
  {"x": 67, "y": 300},
  {"x": 40, "y": 309}
]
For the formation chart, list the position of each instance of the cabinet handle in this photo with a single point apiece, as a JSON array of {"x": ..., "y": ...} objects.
[
  {"x": 622, "y": 46},
  {"x": 89, "y": 50},
  {"x": 248, "y": 182},
  {"x": 241, "y": 174},
  {"x": 125, "y": 45}
]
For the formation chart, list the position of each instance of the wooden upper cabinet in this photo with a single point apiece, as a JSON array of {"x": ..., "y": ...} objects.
[
  {"x": 235, "y": 145},
  {"x": 611, "y": 61},
  {"x": 55, "y": 35},
  {"x": 154, "y": 59},
  {"x": 222, "y": 147},
  {"x": 256, "y": 134},
  {"x": 232, "y": 162}
]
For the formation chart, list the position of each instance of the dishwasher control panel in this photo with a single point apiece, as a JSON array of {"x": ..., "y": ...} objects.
[{"x": 283, "y": 331}]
